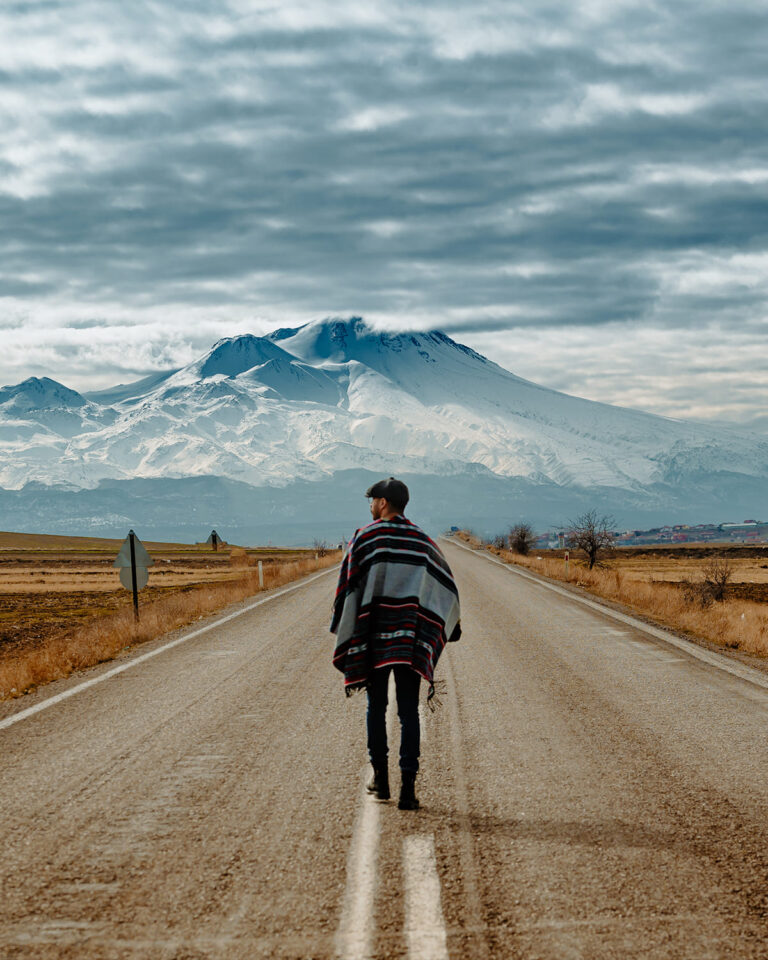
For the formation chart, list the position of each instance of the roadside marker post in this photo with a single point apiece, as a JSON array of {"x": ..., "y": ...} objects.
[
  {"x": 261, "y": 576},
  {"x": 567, "y": 558},
  {"x": 133, "y": 560},
  {"x": 132, "y": 538}
]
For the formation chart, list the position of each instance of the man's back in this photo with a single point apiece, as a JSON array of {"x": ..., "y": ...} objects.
[
  {"x": 396, "y": 601},
  {"x": 396, "y": 606}
]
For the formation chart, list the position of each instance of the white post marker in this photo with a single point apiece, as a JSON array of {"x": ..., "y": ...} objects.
[
  {"x": 261, "y": 575},
  {"x": 424, "y": 923}
]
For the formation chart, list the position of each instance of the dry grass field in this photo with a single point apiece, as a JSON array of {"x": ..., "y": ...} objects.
[
  {"x": 662, "y": 584},
  {"x": 684, "y": 565},
  {"x": 62, "y": 606}
]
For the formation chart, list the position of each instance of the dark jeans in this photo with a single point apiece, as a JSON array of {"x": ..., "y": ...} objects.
[{"x": 407, "y": 689}]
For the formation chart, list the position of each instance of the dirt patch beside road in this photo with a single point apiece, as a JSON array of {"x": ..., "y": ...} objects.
[{"x": 62, "y": 606}]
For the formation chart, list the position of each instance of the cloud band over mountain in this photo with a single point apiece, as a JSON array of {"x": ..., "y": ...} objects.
[{"x": 579, "y": 190}]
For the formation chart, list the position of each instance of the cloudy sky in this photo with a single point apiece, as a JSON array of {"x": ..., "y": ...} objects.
[{"x": 579, "y": 190}]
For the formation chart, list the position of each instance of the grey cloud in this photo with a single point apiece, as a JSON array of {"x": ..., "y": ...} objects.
[
  {"x": 364, "y": 169},
  {"x": 92, "y": 324},
  {"x": 12, "y": 286}
]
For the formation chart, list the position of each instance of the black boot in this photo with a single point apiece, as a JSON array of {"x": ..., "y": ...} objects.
[
  {"x": 408, "y": 799},
  {"x": 378, "y": 785}
]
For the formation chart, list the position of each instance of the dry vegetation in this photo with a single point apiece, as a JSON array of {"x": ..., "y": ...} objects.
[
  {"x": 668, "y": 585},
  {"x": 62, "y": 607}
]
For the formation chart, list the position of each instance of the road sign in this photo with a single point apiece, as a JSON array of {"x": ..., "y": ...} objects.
[
  {"x": 126, "y": 577},
  {"x": 143, "y": 559},
  {"x": 133, "y": 561}
]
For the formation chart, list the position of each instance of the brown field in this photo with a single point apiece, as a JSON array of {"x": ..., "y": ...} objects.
[
  {"x": 655, "y": 582},
  {"x": 685, "y": 564},
  {"x": 62, "y": 605}
]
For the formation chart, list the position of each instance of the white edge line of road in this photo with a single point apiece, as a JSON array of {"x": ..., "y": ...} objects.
[
  {"x": 66, "y": 694},
  {"x": 718, "y": 660}
]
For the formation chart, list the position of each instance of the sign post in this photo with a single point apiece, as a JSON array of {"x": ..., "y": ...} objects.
[
  {"x": 133, "y": 561},
  {"x": 134, "y": 580}
]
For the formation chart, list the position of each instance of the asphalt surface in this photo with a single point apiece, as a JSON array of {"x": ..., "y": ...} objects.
[{"x": 588, "y": 791}]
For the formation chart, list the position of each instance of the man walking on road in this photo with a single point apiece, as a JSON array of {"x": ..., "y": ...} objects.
[{"x": 396, "y": 606}]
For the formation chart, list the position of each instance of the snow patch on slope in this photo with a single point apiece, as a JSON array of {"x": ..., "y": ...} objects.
[{"x": 335, "y": 394}]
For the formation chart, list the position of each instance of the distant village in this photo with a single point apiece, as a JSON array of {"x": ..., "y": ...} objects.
[{"x": 748, "y": 531}]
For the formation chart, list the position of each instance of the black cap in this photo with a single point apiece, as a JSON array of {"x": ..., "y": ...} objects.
[{"x": 395, "y": 491}]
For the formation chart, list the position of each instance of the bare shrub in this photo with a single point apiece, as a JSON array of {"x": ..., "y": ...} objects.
[
  {"x": 713, "y": 586},
  {"x": 499, "y": 541},
  {"x": 717, "y": 573},
  {"x": 469, "y": 536},
  {"x": 593, "y": 535},
  {"x": 694, "y": 595},
  {"x": 521, "y": 538},
  {"x": 320, "y": 547}
]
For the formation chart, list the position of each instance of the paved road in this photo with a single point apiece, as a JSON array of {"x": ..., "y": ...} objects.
[{"x": 588, "y": 792}]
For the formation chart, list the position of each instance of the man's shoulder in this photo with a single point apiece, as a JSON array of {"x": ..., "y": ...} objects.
[{"x": 399, "y": 528}]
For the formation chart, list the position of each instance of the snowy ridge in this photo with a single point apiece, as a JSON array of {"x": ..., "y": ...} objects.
[
  {"x": 40, "y": 393},
  {"x": 304, "y": 403}
]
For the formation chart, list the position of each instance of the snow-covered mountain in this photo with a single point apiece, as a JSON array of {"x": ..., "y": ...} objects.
[{"x": 335, "y": 395}]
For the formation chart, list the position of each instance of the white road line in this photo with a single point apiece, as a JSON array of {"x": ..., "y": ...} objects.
[
  {"x": 424, "y": 923},
  {"x": 354, "y": 937},
  {"x": 66, "y": 694},
  {"x": 718, "y": 660}
]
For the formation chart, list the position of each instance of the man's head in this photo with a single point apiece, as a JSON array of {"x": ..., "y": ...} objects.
[{"x": 388, "y": 498}]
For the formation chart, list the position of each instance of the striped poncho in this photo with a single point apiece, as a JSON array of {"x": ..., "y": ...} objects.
[{"x": 396, "y": 602}]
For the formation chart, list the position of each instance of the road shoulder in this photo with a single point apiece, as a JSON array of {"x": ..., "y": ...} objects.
[{"x": 732, "y": 661}]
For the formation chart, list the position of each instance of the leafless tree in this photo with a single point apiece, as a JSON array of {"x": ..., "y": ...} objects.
[
  {"x": 521, "y": 538},
  {"x": 593, "y": 534},
  {"x": 499, "y": 541},
  {"x": 321, "y": 547},
  {"x": 716, "y": 575},
  {"x": 713, "y": 586}
]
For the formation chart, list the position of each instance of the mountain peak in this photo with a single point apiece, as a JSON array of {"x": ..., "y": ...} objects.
[
  {"x": 234, "y": 355},
  {"x": 341, "y": 395},
  {"x": 329, "y": 338},
  {"x": 339, "y": 340},
  {"x": 41, "y": 393}
]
